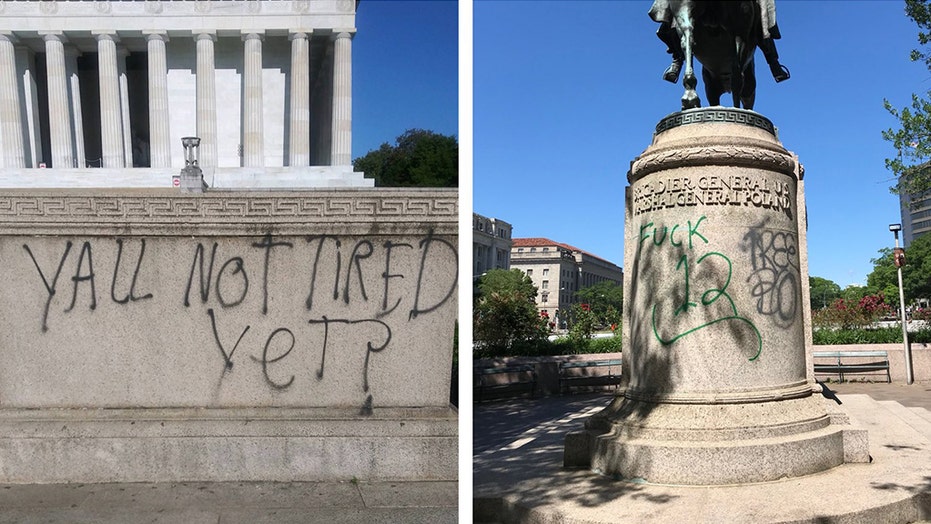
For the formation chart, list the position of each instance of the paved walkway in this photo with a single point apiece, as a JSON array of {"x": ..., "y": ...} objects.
[
  {"x": 516, "y": 422},
  {"x": 917, "y": 395},
  {"x": 517, "y": 465},
  {"x": 231, "y": 502}
]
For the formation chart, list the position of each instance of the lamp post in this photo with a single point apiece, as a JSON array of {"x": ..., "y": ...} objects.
[{"x": 909, "y": 377}]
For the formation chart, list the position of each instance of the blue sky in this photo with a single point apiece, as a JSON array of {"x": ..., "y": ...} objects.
[
  {"x": 405, "y": 72},
  {"x": 567, "y": 93}
]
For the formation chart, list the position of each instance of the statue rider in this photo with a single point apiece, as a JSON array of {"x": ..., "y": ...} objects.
[{"x": 668, "y": 34}]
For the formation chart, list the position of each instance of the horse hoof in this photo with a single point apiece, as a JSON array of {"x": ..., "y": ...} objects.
[
  {"x": 690, "y": 102},
  {"x": 671, "y": 74}
]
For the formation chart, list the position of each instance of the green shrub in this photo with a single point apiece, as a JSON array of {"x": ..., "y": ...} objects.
[
  {"x": 889, "y": 335},
  {"x": 605, "y": 345},
  {"x": 560, "y": 346}
]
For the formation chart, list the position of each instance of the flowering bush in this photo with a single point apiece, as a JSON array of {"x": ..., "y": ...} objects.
[{"x": 852, "y": 314}]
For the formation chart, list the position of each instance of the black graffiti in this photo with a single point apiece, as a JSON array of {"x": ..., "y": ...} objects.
[
  {"x": 198, "y": 262},
  {"x": 238, "y": 269},
  {"x": 387, "y": 276},
  {"x": 369, "y": 347},
  {"x": 131, "y": 295},
  {"x": 50, "y": 289},
  {"x": 357, "y": 257},
  {"x": 774, "y": 276},
  {"x": 222, "y": 279},
  {"x": 85, "y": 273},
  {"x": 206, "y": 279},
  {"x": 355, "y": 273},
  {"x": 264, "y": 361},
  {"x": 373, "y": 344},
  {"x": 268, "y": 244},
  {"x": 425, "y": 246},
  {"x": 316, "y": 265},
  {"x": 227, "y": 357},
  {"x": 89, "y": 277}
]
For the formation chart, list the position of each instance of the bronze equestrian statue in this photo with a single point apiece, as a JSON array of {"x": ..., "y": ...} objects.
[{"x": 723, "y": 35}]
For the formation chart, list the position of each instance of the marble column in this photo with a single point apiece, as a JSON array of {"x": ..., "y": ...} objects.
[
  {"x": 58, "y": 108},
  {"x": 26, "y": 67},
  {"x": 253, "y": 140},
  {"x": 159, "y": 135},
  {"x": 11, "y": 121},
  {"x": 341, "y": 145},
  {"x": 299, "y": 131},
  {"x": 111, "y": 124},
  {"x": 122, "y": 53},
  {"x": 321, "y": 107},
  {"x": 77, "y": 116},
  {"x": 206, "y": 99}
]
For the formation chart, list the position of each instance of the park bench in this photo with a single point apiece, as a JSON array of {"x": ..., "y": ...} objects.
[
  {"x": 499, "y": 379},
  {"x": 838, "y": 366},
  {"x": 572, "y": 374}
]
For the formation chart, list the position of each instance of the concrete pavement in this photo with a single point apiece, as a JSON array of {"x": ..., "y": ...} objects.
[
  {"x": 231, "y": 502},
  {"x": 917, "y": 395},
  {"x": 501, "y": 423},
  {"x": 518, "y": 474}
]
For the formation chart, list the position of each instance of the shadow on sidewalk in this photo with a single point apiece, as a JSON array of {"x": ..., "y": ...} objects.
[{"x": 500, "y": 422}]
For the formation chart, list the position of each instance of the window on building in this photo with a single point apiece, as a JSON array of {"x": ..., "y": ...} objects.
[
  {"x": 529, "y": 272},
  {"x": 533, "y": 250},
  {"x": 546, "y": 271},
  {"x": 546, "y": 298},
  {"x": 546, "y": 249},
  {"x": 520, "y": 250},
  {"x": 546, "y": 284}
]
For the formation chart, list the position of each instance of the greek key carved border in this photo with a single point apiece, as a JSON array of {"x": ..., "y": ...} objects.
[
  {"x": 717, "y": 114},
  {"x": 712, "y": 155},
  {"x": 157, "y": 209}
]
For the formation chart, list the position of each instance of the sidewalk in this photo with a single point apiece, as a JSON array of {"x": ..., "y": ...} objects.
[
  {"x": 515, "y": 422},
  {"x": 518, "y": 470},
  {"x": 917, "y": 395},
  {"x": 231, "y": 502}
]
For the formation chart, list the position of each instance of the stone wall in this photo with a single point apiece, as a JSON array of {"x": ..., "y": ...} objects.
[
  {"x": 547, "y": 368},
  {"x": 292, "y": 326},
  {"x": 921, "y": 362}
]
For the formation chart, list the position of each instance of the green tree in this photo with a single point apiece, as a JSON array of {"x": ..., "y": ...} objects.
[
  {"x": 583, "y": 325},
  {"x": 854, "y": 292},
  {"x": 912, "y": 139},
  {"x": 512, "y": 280},
  {"x": 504, "y": 312},
  {"x": 823, "y": 292},
  {"x": 419, "y": 158},
  {"x": 606, "y": 300}
]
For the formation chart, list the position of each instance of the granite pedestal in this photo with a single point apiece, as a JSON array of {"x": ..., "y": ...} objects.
[{"x": 716, "y": 387}]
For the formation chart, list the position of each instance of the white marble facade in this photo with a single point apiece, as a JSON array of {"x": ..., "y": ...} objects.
[{"x": 99, "y": 93}]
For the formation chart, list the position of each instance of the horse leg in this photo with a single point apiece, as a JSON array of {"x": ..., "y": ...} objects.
[
  {"x": 740, "y": 48},
  {"x": 670, "y": 37},
  {"x": 748, "y": 94},
  {"x": 690, "y": 99},
  {"x": 713, "y": 89}
]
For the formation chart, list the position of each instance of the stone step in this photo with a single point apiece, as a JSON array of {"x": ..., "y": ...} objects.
[{"x": 908, "y": 416}]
